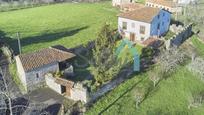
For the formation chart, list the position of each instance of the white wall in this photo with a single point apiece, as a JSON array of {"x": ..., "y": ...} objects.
[
  {"x": 20, "y": 70},
  {"x": 50, "y": 81},
  {"x": 79, "y": 94},
  {"x": 185, "y": 1},
  {"x": 120, "y": 2},
  {"x": 135, "y": 30},
  {"x": 33, "y": 82}
]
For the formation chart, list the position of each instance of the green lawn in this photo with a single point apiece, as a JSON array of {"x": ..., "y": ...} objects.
[
  {"x": 68, "y": 24},
  {"x": 198, "y": 45},
  {"x": 170, "y": 97}
]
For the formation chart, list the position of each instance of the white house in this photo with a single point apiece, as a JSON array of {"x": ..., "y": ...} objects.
[
  {"x": 143, "y": 24},
  {"x": 33, "y": 67},
  {"x": 168, "y": 5}
]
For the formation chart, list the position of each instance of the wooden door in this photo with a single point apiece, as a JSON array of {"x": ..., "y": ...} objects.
[
  {"x": 132, "y": 37},
  {"x": 68, "y": 91}
]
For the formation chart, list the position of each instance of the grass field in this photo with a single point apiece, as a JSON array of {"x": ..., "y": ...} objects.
[
  {"x": 170, "y": 97},
  {"x": 67, "y": 24},
  {"x": 198, "y": 45}
]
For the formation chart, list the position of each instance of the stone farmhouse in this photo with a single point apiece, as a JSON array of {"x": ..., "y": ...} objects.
[
  {"x": 33, "y": 67},
  {"x": 143, "y": 24},
  {"x": 168, "y": 5},
  {"x": 37, "y": 70}
]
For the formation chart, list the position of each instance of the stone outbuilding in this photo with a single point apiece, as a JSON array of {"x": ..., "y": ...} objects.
[{"x": 33, "y": 67}]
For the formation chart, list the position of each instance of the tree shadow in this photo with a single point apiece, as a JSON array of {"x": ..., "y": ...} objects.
[
  {"x": 20, "y": 105},
  {"x": 53, "y": 109},
  {"x": 122, "y": 95},
  {"x": 47, "y": 37}
]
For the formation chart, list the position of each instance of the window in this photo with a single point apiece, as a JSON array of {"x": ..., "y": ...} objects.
[
  {"x": 142, "y": 29},
  {"x": 142, "y": 38},
  {"x": 133, "y": 25},
  {"x": 163, "y": 14},
  {"x": 37, "y": 75},
  {"x": 125, "y": 25},
  {"x": 158, "y": 26},
  {"x": 158, "y": 16}
]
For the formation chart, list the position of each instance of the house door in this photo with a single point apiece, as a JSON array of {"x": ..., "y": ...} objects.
[{"x": 132, "y": 37}]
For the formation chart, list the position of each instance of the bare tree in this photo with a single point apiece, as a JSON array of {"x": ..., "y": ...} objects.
[
  {"x": 154, "y": 77},
  {"x": 8, "y": 99},
  {"x": 196, "y": 100},
  {"x": 170, "y": 59},
  {"x": 197, "y": 66},
  {"x": 194, "y": 13},
  {"x": 139, "y": 96}
]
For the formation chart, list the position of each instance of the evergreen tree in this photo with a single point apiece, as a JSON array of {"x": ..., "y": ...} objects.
[{"x": 105, "y": 65}]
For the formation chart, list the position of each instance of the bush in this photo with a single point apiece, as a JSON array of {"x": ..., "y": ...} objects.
[
  {"x": 14, "y": 75},
  {"x": 58, "y": 74}
]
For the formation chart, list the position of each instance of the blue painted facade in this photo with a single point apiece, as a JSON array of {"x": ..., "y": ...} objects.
[{"x": 160, "y": 23}]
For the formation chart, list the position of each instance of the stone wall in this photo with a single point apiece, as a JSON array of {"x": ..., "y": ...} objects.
[
  {"x": 33, "y": 81},
  {"x": 50, "y": 82},
  {"x": 180, "y": 37},
  {"x": 79, "y": 93}
]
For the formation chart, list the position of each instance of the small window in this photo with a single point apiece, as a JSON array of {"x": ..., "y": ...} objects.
[
  {"x": 142, "y": 38},
  {"x": 37, "y": 75},
  {"x": 133, "y": 25},
  {"x": 158, "y": 16},
  {"x": 163, "y": 14},
  {"x": 125, "y": 25},
  {"x": 158, "y": 26},
  {"x": 142, "y": 29}
]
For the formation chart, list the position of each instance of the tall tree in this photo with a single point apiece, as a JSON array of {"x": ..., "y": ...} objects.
[
  {"x": 154, "y": 76},
  {"x": 139, "y": 96},
  {"x": 105, "y": 65}
]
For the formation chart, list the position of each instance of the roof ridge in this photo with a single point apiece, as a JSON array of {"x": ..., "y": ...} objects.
[{"x": 62, "y": 51}]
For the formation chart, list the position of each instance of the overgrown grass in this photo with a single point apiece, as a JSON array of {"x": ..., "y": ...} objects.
[
  {"x": 14, "y": 75},
  {"x": 169, "y": 97},
  {"x": 68, "y": 24},
  {"x": 169, "y": 35},
  {"x": 198, "y": 45},
  {"x": 140, "y": 1},
  {"x": 113, "y": 96}
]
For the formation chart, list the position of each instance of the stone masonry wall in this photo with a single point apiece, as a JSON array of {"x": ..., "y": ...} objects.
[{"x": 180, "y": 37}]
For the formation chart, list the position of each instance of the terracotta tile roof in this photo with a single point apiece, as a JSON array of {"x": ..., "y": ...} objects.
[
  {"x": 168, "y": 3},
  {"x": 131, "y": 6},
  {"x": 43, "y": 57},
  {"x": 149, "y": 41},
  {"x": 145, "y": 14}
]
